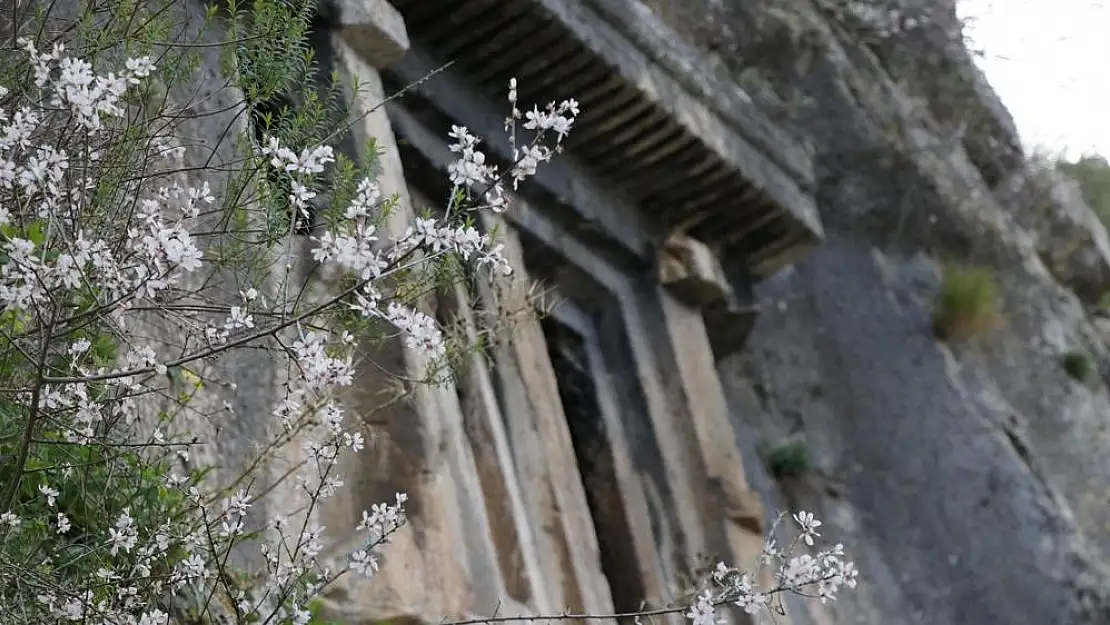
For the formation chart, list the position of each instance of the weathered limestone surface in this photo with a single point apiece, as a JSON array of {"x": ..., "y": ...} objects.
[
  {"x": 1069, "y": 237},
  {"x": 969, "y": 480}
]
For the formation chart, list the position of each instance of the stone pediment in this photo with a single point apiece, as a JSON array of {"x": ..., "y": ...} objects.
[{"x": 690, "y": 153}]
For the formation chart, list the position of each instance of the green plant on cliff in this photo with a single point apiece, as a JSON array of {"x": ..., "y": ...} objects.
[
  {"x": 1078, "y": 364},
  {"x": 967, "y": 303},
  {"x": 787, "y": 460}
]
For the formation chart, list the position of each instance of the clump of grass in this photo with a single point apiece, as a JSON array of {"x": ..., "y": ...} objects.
[
  {"x": 1077, "y": 364},
  {"x": 967, "y": 303},
  {"x": 787, "y": 460}
]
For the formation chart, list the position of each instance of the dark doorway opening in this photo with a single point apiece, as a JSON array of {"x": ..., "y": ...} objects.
[{"x": 578, "y": 393}]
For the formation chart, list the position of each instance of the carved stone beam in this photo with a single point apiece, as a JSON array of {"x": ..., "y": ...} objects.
[
  {"x": 691, "y": 271},
  {"x": 374, "y": 29}
]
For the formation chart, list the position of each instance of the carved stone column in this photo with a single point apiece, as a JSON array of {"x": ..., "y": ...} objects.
[
  {"x": 692, "y": 279},
  {"x": 442, "y": 564},
  {"x": 537, "y": 430}
]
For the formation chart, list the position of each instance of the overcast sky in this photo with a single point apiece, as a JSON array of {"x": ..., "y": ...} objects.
[{"x": 1050, "y": 62}]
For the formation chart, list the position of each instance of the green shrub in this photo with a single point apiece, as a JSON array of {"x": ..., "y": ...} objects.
[
  {"x": 1078, "y": 364},
  {"x": 967, "y": 303},
  {"x": 787, "y": 460}
]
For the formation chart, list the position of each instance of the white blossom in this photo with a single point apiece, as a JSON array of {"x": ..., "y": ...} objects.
[
  {"x": 51, "y": 494},
  {"x": 808, "y": 525}
]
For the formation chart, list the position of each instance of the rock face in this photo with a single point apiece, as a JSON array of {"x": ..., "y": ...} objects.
[
  {"x": 740, "y": 245},
  {"x": 972, "y": 476}
]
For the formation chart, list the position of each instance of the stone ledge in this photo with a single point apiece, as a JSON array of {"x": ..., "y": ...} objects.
[
  {"x": 693, "y": 273},
  {"x": 374, "y": 29}
]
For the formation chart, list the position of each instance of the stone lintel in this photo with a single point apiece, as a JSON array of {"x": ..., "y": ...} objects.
[
  {"x": 374, "y": 29},
  {"x": 728, "y": 306}
]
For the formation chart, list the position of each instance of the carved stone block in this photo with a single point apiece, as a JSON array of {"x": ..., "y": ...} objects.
[
  {"x": 374, "y": 29},
  {"x": 690, "y": 270}
]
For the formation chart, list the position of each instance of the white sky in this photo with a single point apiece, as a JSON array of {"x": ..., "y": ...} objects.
[{"x": 1049, "y": 60}]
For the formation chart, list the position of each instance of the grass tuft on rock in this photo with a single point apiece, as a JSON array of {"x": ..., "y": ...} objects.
[
  {"x": 787, "y": 460},
  {"x": 967, "y": 304}
]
